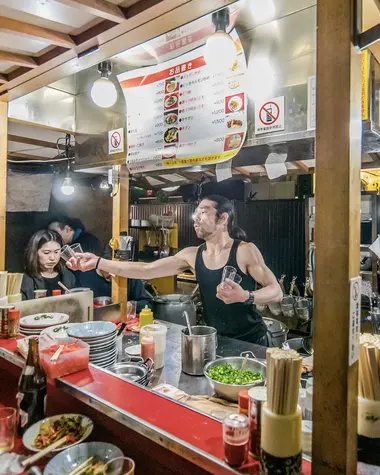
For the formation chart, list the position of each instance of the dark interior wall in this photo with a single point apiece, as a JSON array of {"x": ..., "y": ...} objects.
[{"x": 92, "y": 207}]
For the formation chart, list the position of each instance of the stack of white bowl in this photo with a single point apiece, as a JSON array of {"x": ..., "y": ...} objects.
[
  {"x": 34, "y": 324},
  {"x": 101, "y": 337}
]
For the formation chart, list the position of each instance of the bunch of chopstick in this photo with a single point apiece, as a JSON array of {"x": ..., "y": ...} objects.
[
  {"x": 83, "y": 467},
  {"x": 14, "y": 281},
  {"x": 284, "y": 369},
  {"x": 369, "y": 367}
]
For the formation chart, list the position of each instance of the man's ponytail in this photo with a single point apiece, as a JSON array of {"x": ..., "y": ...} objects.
[
  {"x": 224, "y": 205},
  {"x": 238, "y": 233}
]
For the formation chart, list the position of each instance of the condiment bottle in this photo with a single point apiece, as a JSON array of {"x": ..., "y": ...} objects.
[
  {"x": 158, "y": 332},
  {"x": 243, "y": 399},
  {"x": 235, "y": 439},
  {"x": 13, "y": 322},
  {"x": 147, "y": 347},
  {"x": 146, "y": 317},
  {"x": 56, "y": 292},
  {"x": 4, "y": 309},
  {"x": 31, "y": 396},
  {"x": 257, "y": 396}
]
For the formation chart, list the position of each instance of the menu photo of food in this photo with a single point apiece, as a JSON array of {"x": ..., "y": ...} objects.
[
  {"x": 234, "y": 123},
  {"x": 171, "y": 101},
  {"x": 234, "y": 103},
  {"x": 171, "y": 118},
  {"x": 171, "y": 135},
  {"x": 233, "y": 141},
  {"x": 170, "y": 151},
  {"x": 171, "y": 85}
]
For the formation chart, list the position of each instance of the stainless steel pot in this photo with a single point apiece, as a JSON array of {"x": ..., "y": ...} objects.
[
  {"x": 170, "y": 308},
  {"x": 139, "y": 373},
  {"x": 278, "y": 331},
  {"x": 197, "y": 349}
]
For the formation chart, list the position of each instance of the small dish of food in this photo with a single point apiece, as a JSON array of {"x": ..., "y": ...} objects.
[
  {"x": 40, "y": 435},
  {"x": 233, "y": 141},
  {"x": 89, "y": 458},
  {"x": 235, "y": 103},
  {"x": 169, "y": 152},
  {"x": 171, "y": 86},
  {"x": 171, "y": 101},
  {"x": 234, "y": 123},
  {"x": 171, "y": 118},
  {"x": 171, "y": 135}
]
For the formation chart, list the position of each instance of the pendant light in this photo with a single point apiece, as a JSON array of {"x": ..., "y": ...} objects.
[
  {"x": 67, "y": 186},
  {"x": 220, "y": 50},
  {"x": 103, "y": 91}
]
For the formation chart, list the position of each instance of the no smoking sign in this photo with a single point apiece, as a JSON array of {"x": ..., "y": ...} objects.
[
  {"x": 116, "y": 141},
  {"x": 270, "y": 116}
]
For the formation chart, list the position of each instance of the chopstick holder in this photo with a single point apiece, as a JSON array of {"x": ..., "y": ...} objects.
[
  {"x": 281, "y": 442},
  {"x": 44, "y": 452}
]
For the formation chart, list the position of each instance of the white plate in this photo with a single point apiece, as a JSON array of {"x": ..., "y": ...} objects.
[
  {"x": 105, "y": 357},
  {"x": 105, "y": 365},
  {"x": 100, "y": 344},
  {"x": 235, "y": 103},
  {"x": 90, "y": 330},
  {"x": 30, "y": 435},
  {"x": 58, "y": 331},
  {"x": 100, "y": 350},
  {"x": 134, "y": 350},
  {"x": 103, "y": 339},
  {"x": 36, "y": 321}
]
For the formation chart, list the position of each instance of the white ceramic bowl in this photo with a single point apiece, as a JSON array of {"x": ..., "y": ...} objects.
[{"x": 91, "y": 330}]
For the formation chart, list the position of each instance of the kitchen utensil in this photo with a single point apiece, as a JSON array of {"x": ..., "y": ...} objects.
[
  {"x": 231, "y": 391},
  {"x": 277, "y": 331},
  {"x": 31, "y": 434},
  {"x": 137, "y": 372},
  {"x": 302, "y": 345},
  {"x": 185, "y": 314},
  {"x": 121, "y": 329},
  {"x": 82, "y": 466},
  {"x": 275, "y": 308},
  {"x": 170, "y": 308},
  {"x": 197, "y": 349},
  {"x": 72, "y": 458},
  {"x": 44, "y": 452},
  {"x": 287, "y": 306},
  {"x": 302, "y": 309},
  {"x": 120, "y": 466}
]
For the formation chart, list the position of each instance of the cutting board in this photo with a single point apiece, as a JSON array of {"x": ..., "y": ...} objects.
[{"x": 78, "y": 305}]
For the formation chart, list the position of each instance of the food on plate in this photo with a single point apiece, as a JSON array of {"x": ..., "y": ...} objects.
[
  {"x": 64, "y": 426},
  {"x": 59, "y": 329},
  {"x": 96, "y": 468},
  {"x": 171, "y": 100},
  {"x": 235, "y": 103},
  {"x": 234, "y": 123},
  {"x": 233, "y": 141},
  {"x": 171, "y": 135},
  {"x": 227, "y": 374},
  {"x": 171, "y": 118},
  {"x": 171, "y": 86},
  {"x": 233, "y": 84}
]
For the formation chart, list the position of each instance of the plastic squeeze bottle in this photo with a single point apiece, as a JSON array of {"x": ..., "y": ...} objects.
[{"x": 146, "y": 318}]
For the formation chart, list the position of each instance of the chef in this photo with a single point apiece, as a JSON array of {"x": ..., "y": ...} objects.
[{"x": 231, "y": 309}]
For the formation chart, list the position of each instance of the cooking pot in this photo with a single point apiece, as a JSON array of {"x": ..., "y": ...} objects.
[
  {"x": 277, "y": 331},
  {"x": 170, "y": 308},
  {"x": 197, "y": 349}
]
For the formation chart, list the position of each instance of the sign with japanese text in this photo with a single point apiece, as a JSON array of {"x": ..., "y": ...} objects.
[
  {"x": 270, "y": 116},
  {"x": 355, "y": 308},
  {"x": 115, "y": 141},
  {"x": 180, "y": 113}
]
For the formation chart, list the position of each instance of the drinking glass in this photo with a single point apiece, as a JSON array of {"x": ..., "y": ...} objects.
[
  {"x": 119, "y": 466},
  {"x": 375, "y": 321},
  {"x": 302, "y": 310},
  {"x": 237, "y": 279},
  {"x": 67, "y": 253},
  {"x": 287, "y": 306},
  {"x": 229, "y": 272},
  {"x": 7, "y": 428},
  {"x": 76, "y": 248},
  {"x": 40, "y": 293},
  {"x": 131, "y": 310}
]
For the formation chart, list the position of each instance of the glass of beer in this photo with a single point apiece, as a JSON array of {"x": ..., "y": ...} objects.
[{"x": 7, "y": 428}]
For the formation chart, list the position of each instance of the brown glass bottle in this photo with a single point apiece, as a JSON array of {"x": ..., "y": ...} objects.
[{"x": 31, "y": 396}]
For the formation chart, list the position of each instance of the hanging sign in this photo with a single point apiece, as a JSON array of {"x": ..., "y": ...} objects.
[
  {"x": 355, "y": 309},
  {"x": 181, "y": 113},
  {"x": 270, "y": 116},
  {"x": 116, "y": 141},
  {"x": 311, "y": 102}
]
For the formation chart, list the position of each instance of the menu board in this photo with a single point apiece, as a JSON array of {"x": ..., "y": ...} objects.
[{"x": 181, "y": 113}]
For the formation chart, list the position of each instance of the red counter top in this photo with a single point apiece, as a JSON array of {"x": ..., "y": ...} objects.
[{"x": 191, "y": 435}]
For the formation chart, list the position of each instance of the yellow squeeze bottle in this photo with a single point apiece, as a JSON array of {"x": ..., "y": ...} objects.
[{"x": 146, "y": 318}]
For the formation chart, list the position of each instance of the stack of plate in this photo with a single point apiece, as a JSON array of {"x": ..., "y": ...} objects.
[
  {"x": 34, "y": 324},
  {"x": 101, "y": 337}
]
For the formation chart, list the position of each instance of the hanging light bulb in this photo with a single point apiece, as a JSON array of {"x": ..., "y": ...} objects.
[
  {"x": 103, "y": 91},
  {"x": 67, "y": 186},
  {"x": 220, "y": 49}
]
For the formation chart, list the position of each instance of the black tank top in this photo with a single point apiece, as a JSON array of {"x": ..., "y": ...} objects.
[{"x": 237, "y": 320}]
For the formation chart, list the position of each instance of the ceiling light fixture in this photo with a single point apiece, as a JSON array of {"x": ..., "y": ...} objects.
[
  {"x": 103, "y": 91},
  {"x": 67, "y": 186},
  {"x": 170, "y": 188},
  {"x": 220, "y": 50}
]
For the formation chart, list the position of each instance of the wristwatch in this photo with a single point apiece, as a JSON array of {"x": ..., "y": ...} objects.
[{"x": 251, "y": 298}]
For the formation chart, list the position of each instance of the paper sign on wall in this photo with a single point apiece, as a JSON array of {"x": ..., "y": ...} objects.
[
  {"x": 311, "y": 102},
  {"x": 355, "y": 306},
  {"x": 270, "y": 116},
  {"x": 116, "y": 141}
]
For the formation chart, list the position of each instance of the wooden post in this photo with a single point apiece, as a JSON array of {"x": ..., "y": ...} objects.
[
  {"x": 120, "y": 221},
  {"x": 337, "y": 238},
  {"x": 3, "y": 177}
]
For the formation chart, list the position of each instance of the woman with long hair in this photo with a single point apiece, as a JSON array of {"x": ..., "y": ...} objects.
[{"x": 43, "y": 265}]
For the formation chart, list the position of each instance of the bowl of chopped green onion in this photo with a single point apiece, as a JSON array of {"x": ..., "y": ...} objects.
[{"x": 227, "y": 377}]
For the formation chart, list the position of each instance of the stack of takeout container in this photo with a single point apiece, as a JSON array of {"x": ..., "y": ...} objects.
[
  {"x": 35, "y": 324},
  {"x": 101, "y": 337}
]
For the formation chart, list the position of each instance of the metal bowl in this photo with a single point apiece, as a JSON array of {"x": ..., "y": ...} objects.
[{"x": 231, "y": 391}]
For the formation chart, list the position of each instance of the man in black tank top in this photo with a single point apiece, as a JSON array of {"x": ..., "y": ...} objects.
[{"x": 231, "y": 309}]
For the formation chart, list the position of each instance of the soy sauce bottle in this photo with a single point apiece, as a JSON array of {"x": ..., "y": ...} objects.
[{"x": 32, "y": 388}]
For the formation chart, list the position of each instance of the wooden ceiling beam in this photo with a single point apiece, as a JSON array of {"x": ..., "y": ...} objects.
[
  {"x": 3, "y": 78},
  {"x": 99, "y": 8},
  {"x": 301, "y": 166},
  {"x": 242, "y": 171},
  {"x": 27, "y": 156},
  {"x": 32, "y": 141},
  {"x": 53, "y": 37},
  {"x": 18, "y": 59}
]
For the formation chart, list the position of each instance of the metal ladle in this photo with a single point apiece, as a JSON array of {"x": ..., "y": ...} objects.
[{"x": 185, "y": 314}]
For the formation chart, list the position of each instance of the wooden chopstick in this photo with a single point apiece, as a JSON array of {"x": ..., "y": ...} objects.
[
  {"x": 81, "y": 467},
  {"x": 64, "y": 287},
  {"x": 42, "y": 453}
]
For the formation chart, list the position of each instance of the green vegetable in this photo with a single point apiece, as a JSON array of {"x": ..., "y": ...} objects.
[{"x": 229, "y": 375}]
